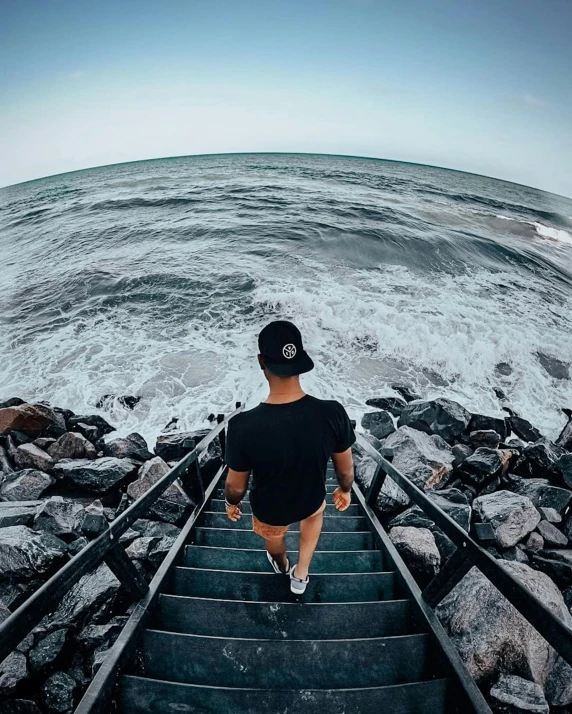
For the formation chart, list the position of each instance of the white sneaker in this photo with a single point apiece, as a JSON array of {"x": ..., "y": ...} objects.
[
  {"x": 297, "y": 585},
  {"x": 275, "y": 566}
]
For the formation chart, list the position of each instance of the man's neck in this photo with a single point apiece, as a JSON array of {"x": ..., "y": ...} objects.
[{"x": 283, "y": 391}]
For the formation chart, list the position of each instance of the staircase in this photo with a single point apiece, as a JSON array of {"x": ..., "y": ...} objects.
[{"x": 228, "y": 637}]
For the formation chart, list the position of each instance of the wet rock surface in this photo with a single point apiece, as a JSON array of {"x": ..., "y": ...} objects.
[
  {"x": 380, "y": 424},
  {"x": 96, "y": 476},
  {"x": 515, "y": 695},
  {"x": 512, "y": 516},
  {"x": 418, "y": 549},
  {"x": 442, "y": 417}
]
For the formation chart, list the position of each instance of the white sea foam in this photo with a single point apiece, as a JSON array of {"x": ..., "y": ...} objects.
[{"x": 558, "y": 235}]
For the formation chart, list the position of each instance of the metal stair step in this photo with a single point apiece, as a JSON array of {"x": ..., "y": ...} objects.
[
  {"x": 285, "y": 664},
  {"x": 217, "y": 505},
  {"x": 270, "y": 587},
  {"x": 324, "y": 561},
  {"x": 330, "y": 488},
  {"x": 264, "y": 620},
  {"x": 151, "y": 696},
  {"x": 331, "y": 523},
  {"x": 237, "y": 538}
]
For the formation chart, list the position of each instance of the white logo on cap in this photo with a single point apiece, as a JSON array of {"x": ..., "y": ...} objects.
[{"x": 289, "y": 350}]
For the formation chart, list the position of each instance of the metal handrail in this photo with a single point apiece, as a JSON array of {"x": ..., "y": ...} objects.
[
  {"x": 551, "y": 627},
  {"x": 21, "y": 622}
]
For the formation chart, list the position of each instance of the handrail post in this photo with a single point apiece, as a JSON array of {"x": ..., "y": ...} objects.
[
  {"x": 222, "y": 438},
  {"x": 376, "y": 485}
]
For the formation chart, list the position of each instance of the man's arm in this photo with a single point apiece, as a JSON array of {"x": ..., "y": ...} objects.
[
  {"x": 234, "y": 490},
  {"x": 344, "y": 468}
]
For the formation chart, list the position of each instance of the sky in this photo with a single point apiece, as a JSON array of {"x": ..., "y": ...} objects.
[{"x": 478, "y": 85}]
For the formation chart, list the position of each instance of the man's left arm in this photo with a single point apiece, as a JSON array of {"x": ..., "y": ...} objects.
[{"x": 234, "y": 489}]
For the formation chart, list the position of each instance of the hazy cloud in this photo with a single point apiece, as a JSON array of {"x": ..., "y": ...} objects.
[{"x": 76, "y": 75}]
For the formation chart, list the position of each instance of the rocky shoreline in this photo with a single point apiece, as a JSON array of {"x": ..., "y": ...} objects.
[
  {"x": 500, "y": 478},
  {"x": 61, "y": 484}
]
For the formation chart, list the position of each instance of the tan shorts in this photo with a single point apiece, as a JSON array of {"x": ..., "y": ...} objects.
[{"x": 267, "y": 532}]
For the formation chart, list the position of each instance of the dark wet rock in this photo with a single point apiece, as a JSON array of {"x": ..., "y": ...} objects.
[
  {"x": 517, "y": 554},
  {"x": 566, "y": 526},
  {"x": 173, "y": 503},
  {"x": 94, "y": 521},
  {"x": 380, "y": 424},
  {"x": 18, "y": 513},
  {"x": 512, "y": 516},
  {"x": 426, "y": 460},
  {"x": 552, "y": 536},
  {"x": 485, "y": 437},
  {"x": 5, "y": 462},
  {"x": 32, "y": 419},
  {"x": 133, "y": 446},
  {"x": 556, "y": 368},
  {"x": 124, "y": 400},
  {"x": 29, "y": 456},
  {"x": 129, "y": 536},
  {"x": 20, "y": 706},
  {"x": 460, "y": 453},
  {"x": 23, "y": 552},
  {"x": 93, "y": 593},
  {"x": 394, "y": 405},
  {"x": 535, "y": 542},
  {"x": 418, "y": 549},
  {"x": 60, "y": 516},
  {"x": 98, "y": 636},
  {"x": 435, "y": 378},
  {"x": 543, "y": 454},
  {"x": 542, "y": 493},
  {"x": 76, "y": 545},
  {"x": 12, "y": 402},
  {"x": 550, "y": 514},
  {"x": 97, "y": 476},
  {"x": 26, "y": 485},
  {"x": 481, "y": 467},
  {"x": 452, "y": 501},
  {"x": 93, "y": 420},
  {"x": 391, "y": 497},
  {"x": 91, "y": 433},
  {"x": 72, "y": 445},
  {"x": 149, "y": 528},
  {"x": 483, "y": 422},
  {"x": 406, "y": 391},
  {"x": 173, "y": 424},
  {"x": 20, "y": 438},
  {"x": 57, "y": 693},
  {"x": 515, "y": 695},
  {"x": 565, "y": 438},
  {"x": 503, "y": 369},
  {"x": 13, "y": 671},
  {"x": 140, "y": 547},
  {"x": 158, "y": 551},
  {"x": 562, "y": 470},
  {"x": 491, "y": 635},
  {"x": 491, "y": 487},
  {"x": 171, "y": 447},
  {"x": 442, "y": 417},
  {"x": 523, "y": 428},
  {"x": 557, "y": 564},
  {"x": 47, "y": 650},
  {"x": 559, "y": 685},
  {"x": 44, "y": 442}
]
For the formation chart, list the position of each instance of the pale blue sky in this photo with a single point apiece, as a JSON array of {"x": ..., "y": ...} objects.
[{"x": 478, "y": 85}]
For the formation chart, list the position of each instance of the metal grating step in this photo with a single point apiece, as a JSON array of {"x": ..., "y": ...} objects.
[
  {"x": 331, "y": 523},
  {"x": 236, "y": 538},
  {"x": 217, "y": 505}
]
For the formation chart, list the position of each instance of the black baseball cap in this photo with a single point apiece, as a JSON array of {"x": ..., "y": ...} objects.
[{"x": 280, "y": 344}]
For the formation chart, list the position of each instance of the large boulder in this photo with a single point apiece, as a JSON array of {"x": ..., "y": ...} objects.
[
  {"x": 47, "y": 650},
  {"x": 171, "y": 447},
  {"x": 426, "y": 460},
  {"x": 443, "y": 417},
  {"x": 391, "y": 497},
  {"x": 551, "y": 535},
  {"x": 406, "y": 391},
  {"x": 13, "y": 671},
  {"x": 418, "y": 549},
  {"x": 174, "y": 501},
  {"x": 18, "y": 513},
  {"x": 482, "y": 422},
  {"x": 559, "y": 685},
  {"x": 97, "y": 476},
  {"x": 562, "y": 470},
  {"x": 380, "y": 424},
  {"x": 57, "y": 693},
  {"x": 491, "y": 635},
  {"x": 542, "y": 493},
  {"x": 481, "y": 467},
  {"x": 60, "y": 516},
  {"x": 149, "y": 528},
  {"x": 394, "y": 405},
  {"x": 523, "y": 428},
  {"x": 23, "y": 552},
  {"x": 555, "y": 563},
  {"x": 31, "y": 419},
  {"x": 132, "y": 446},
  {"x": 512, "y": 516},
  {"x": 565, "y": 438},
  {"x": 542, "y": 455},
  {"x": 5, "y": 463},
  {"x": 94, "y": 420},
  {"x": 30, "y": 456},
  {"x": 515, "y": 695},
  {"x": 72, "y": 446},
  {"x": 485, "y": 437},
  {"x": 452, "y": 501},
  {"x": 26, "y": 485}
]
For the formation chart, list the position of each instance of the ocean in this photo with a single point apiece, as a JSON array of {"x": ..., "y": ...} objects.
[{"x": 154, "y": 278}]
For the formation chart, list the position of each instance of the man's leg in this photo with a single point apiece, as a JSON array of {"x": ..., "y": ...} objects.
[
  {"x": 310, "y": 529},
  {"x": 277, "y": 549}
]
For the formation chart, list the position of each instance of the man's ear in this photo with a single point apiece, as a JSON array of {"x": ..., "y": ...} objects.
[{"x": 260, "y": 362}]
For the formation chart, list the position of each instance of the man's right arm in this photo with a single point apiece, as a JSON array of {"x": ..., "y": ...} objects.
[{"x": 344, "y": 468}]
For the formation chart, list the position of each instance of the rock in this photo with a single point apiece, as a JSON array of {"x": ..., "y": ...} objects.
[
  {"x": 515, "y": 695},
  {"x": 93, "y": 420},
  {"x": 5, "y": 465},
  {"x": 550, "y": 514},
  {"x": 406, "y": 391},
  {"x": 132, "y": 446},
  {"x": 13, "y": 671},
  {"x": 492, "y": 487},
  {"x": 481, "y": 467},
  {"x": 460, "y": 453},
  {"x": 562, "y": 470},
  {"x": 29, "y": 456},
  {"x": 97, "y": 476},
  {"x": 426, "y": 460},
  {"x": 20, "y": 706},
  {"x": 503, "y": 369},
  {"x": 516, "y": 553},
  {"x": 512, "y": 516},
  {"x": 72, "y": 445},
  {"x": 93, "y": 593},
  {"x": 150, "y": 528},
  {"x": 535, "y": 542},
  {"x": 523, "y": 428},
  {"x": 20, "y": 438},
  {"x": 451, "y": 501},
  {"x": 552, "y": 536},
  {"x": 565, "y": 438},
  {"x": 491, "y": 635},
  {"x": 91, "y": 433},
  {"x": 94, "y": 636},
  {"x": 26, "y": 485},
  {"x": 140, "y": 547},
  {"x": 442, "y": 417},
  {"x": 542, "y": 493},
  {"x": 171, "y": 447},
  {"x": 380, "y": 424},
  {"x": 60, "y": 516},
  {"x": 94, "y": 521},
  {"x": 13, "y": 402},
  {"x": 57, "y": 693},
  {"x": 173, "y": 503},
  {"x": 98, "y": 659},
  {"x": 159, "y": 550},
  {"x": 76, "y": 545},
  {"x": 559, "y": 685},
  {"x": 394, "y": 405},
  {"x": 482, "y": 422},
  {"x": 543, "y": 454},
  {"x": 23, "y": 552},
  {"x": 47, "y": 650},
  {"x": 556, "y": 368},
  {"x": 418, "y": 549},
  {"x": 557, "y": 564},
  {"x": 485, "y": 437},
  {"x": 18, "y": 513},
  {"x": 44, "y": 442},
  {"x": 108, "y": 400},
  {"x": 32, "y": 419}
]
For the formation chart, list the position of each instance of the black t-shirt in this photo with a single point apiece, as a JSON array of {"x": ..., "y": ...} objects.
[{"x": 287, "y": 447}]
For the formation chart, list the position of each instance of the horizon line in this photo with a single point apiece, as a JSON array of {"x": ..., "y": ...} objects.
[{"x": 284, "y": 153}]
